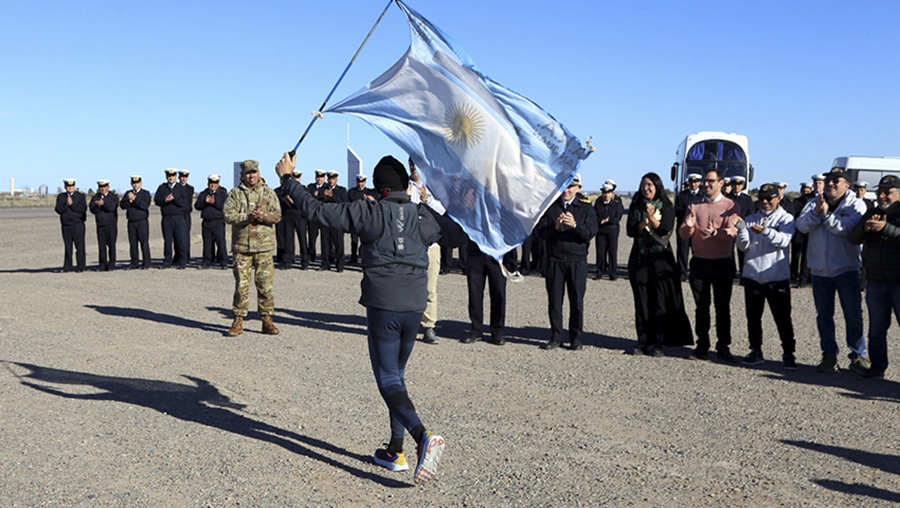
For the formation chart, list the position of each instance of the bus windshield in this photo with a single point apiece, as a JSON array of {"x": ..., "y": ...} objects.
[{"x": 711, "y": 154}]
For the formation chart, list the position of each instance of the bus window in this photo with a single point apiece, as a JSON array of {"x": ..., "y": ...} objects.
[{"x": 723, "y": 155}]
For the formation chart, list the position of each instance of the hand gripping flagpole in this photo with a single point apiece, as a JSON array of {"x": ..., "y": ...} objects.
[{"x": 318, "y": 114}]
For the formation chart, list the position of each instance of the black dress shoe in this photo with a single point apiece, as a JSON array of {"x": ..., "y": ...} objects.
[
  {"x": 498, "y": 340},
  {"x": 576, "y": 346},
  {"x": 724, "y": 355},
  {"x": 323, "y": 268},
  {"x": 429, "y": 337},
  {"x": 473, "y": 336},
  {"x": 553, "y": 344}
]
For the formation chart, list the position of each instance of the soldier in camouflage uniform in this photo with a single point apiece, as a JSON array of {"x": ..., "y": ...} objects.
[{"x": 252, "y": 209}]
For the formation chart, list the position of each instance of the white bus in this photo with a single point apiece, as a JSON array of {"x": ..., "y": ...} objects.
[
  {"x": 707, "y": 150},
  {"x": 868, "y": 169}
]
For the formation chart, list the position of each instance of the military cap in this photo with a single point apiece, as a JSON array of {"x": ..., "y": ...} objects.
[
  {"x": 727, "y": 180},
  {"x": 214, "y": 178},
  {"x": 320, "y": 173},
  {"x": 102, "y": 183},
  {"x": 171, "y": 172},
  {"x": 360, "y": 178},
  {"x": 249, "y": 166},
  {"x": 610, "y": 182},
  {"x": 297, "y": 173},
  {"x": 135, "y": 178},
  {"x": 767, "y": 190},
  {"x": 332, "y": 174},
  {"x": 818, "y": 177},
  {"x": 888, "y": 182},
  {"x": 184, "y": 172},
  {"x": 694, "y": 177},
  {"x": 608, "y": 188},
  {"x": 780, "y": 185},
  {"x": 859, "y": 184},
  {"x": 805, "y": 185},
  {"x": 837, "y": 173},
  {"x": 69, "y": 181},
  {"x": 576, "y": 181},
  {"x": 738, "y": 179}
]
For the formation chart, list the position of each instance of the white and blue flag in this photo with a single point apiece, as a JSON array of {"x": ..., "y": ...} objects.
[{"x": 493, "y": 157}]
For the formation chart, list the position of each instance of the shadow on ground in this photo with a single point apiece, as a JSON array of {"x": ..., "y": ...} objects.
[
  {"x": 853, "y": 385},
  {"x": 199, "y": 402},
  {"x": 884, "y": 462},
  {"x": 158, "y": 317}
]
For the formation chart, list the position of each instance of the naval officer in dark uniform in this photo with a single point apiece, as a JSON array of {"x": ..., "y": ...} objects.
[
  {"x": 355, "y": 194},
  {"x": 293, "y": 224},
  {"x": 317, "y": 190},
  {"x": 105, "y": 207},
  {"x": 567, "y": 227},
  {"x": 336, "y": 194},
  {"x": 172, "y": 199},
  {"x": 183, "y": 181},
  {"x": 136, "y": 204},
  {"x": 71, "y": 206},
  {"x": 211, "y": 203},
  {"x": 609, "y": 211}
]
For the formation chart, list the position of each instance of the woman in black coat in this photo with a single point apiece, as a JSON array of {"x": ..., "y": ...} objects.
[{"x": 659, "y": 315}]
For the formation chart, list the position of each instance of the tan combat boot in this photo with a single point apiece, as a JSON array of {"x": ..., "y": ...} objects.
[
  {"x": 268, "y": 327},
  {"x": 237, "y": 327}
]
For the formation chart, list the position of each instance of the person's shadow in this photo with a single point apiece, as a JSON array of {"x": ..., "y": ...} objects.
[
  {"x": 200, "y": 402},
  {"x": 156, "y": 317},
  {"x": 885, "y": 462}
]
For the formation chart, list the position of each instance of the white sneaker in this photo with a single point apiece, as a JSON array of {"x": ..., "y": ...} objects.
[{"x": 429, "y": 450}]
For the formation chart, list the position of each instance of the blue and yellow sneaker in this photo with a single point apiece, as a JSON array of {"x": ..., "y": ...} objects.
[
  {"x": 392, "y": 461},
  {"x": 429, "y": 450}
]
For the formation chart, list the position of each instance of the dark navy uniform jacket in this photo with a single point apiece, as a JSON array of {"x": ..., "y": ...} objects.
[
  {"x": 568, "y": 244},
  {"x": 140, "y": 208},
  {"x": 212, "y": 211},
  {"x": 71, "y": 214},
  {"x": 178, "y": 206},
  {"x": 108, "y": 214}
]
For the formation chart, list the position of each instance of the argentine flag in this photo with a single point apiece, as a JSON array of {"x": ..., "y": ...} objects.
[{"x": 494, "y": 158}]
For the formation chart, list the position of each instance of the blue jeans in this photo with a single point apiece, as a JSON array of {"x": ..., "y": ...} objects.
[
  {"x": 848, "y": 289},
  {"x": 391, "y": 339},
  {"x": 881, "y": 299}
]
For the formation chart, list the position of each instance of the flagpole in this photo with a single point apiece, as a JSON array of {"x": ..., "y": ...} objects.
[{"x": 318, "y": 114}]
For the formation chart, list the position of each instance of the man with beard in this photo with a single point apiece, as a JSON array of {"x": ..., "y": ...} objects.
[
  {"x": 879, "y": 234},
  {"x": 834, "y": 266}
]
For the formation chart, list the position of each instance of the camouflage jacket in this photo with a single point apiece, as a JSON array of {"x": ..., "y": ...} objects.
[{"x": 248, "y": 235}]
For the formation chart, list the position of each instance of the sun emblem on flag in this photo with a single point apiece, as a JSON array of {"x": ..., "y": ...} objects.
[{"x": 464, "y": 125}]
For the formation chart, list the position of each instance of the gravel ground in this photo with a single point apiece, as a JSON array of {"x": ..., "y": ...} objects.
[{"x": 119, "y": 389}]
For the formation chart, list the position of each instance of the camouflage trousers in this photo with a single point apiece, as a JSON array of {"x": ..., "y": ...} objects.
[{"x": 261, "y": 267}]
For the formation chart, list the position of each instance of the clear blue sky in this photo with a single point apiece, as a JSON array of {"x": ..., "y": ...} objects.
[{"x": 95, "y": 89}]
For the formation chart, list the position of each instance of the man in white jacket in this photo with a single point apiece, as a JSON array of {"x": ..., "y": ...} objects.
[
  {"x": 834, "y": 265},
  {"x": 765, "y": 239}
]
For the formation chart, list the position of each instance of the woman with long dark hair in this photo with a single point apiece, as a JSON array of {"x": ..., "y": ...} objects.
[{"x": 659, "y": 315}]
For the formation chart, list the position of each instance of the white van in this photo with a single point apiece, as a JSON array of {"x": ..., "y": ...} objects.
[{"x": 868, "y": 169}]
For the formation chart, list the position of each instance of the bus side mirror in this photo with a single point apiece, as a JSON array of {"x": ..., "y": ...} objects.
[
  {"x": 750, "y": 174},
  {"x": 674, "y": 171}
]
